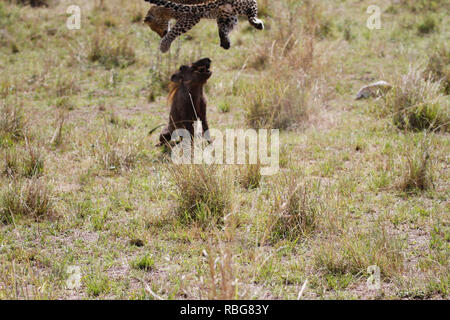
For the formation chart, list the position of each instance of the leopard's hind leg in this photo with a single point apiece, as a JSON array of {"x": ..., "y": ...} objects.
[
  {"x": 183, "y": 25},
  {"x": 226, "y": 25}
]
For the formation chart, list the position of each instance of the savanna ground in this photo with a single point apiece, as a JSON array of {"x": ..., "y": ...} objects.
[{"x": 361, "y": 183}]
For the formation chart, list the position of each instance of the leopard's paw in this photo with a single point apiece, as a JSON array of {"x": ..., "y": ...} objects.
[
  {"x": 164, "y": 47},
  {"x": 225, "y": 44}
]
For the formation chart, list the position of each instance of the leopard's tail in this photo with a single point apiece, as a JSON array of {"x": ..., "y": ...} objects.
[
  {"x": 154, "y": 129},
  {"x": 189, "y": 8}
]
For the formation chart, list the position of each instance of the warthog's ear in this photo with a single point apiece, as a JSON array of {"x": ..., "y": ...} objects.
[
  {"x": 176, "y": 78},
  {"x": 149, "y": 18}
]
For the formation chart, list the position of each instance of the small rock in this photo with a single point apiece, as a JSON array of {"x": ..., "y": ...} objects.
[{"x": 373, "y": 90}]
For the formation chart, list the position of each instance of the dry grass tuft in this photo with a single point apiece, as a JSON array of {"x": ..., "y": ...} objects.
[
  {"x": 203, "y": 193},
  {"x": 33, "y": 162},
  {"x": 417, "y": 103},
  {"x": 66, "y": 85},
  {"x": 422, "y": 5},
  {"x": 355, "y": 252},
  {"x": 20, "y": 281},
  {"x": 295, "y": 212},
  {"x": 222, "y": 282},
  {"x": 12, "y": 123},
  {"x": 250, "y": 176},
  {"x": 57, "y": 137},
  {"x": 114, "y": 153},
  {"x": 111, "y": 52},
  {"x": 11, "y": 164},
  {"x": 31, "y": 198},
  {"x": 274, "y": 105},
  {"x": 116, "y": 158},
  {"x": 417, "y": 170},
  {"x": 427, "y": 25},
  {"x": 292, "y": 85},
  {"x": 7, "y": 87},
  {"x": 27, "y": 162},
  {"x": 438, "y": 68}
]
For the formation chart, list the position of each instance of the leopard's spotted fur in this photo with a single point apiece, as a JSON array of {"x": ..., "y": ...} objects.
[
  {"x": 158, "y": 18},
  {"x": 224, "y": 11}
]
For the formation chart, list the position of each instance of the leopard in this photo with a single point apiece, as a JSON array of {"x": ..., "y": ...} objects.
[
  {"x": 225, "y": 12},
  {"x": 158, "y": 18}
]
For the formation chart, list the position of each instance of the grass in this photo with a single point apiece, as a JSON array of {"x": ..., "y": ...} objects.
[
  {"x": 417, "y": 170},
  {"x": 353, "y": 254},
  {"x": 28, "y": 162},
  {"x": 420, "y": 5},
  {"x": 417, "y": 103},
  {"x": 438, "y": 67},
  {"x": 30, "y": 199},
  {"x": 222, "y": 279},
  {"x": 296, "y": 211},
  {"x": 11, "y": 165},
  {"x": 145, "y": 263},
  {"x": 33, "y": 163},
  {"x": 97, "y": 284},
  {"x": 204, "y": 193},
  {"x": 428, "y": 25},
  {"x": 224, "y": 107},
  {"x": 292, "y": 85},
  {"x": 271, "y": 106},
  {"x": 12, "y": 124},
  {"x": 361, "y": 183},
  {"x": 110, "y": 53},
  {"x": 250, "y": 176},
  {"x": 112, "y": 152}
]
